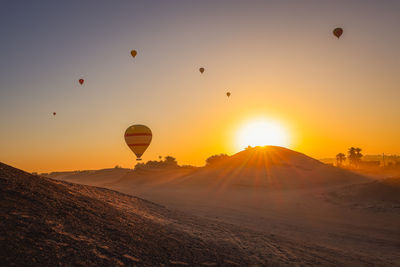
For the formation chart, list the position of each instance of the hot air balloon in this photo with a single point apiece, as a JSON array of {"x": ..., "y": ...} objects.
[
  {"x": 138, "y": 138},
  {"x": 228, "y": 94},
  {"x": 201, "y": 70},
  {"x": 54, "y": 113},
  {"x": 338, "y": 32},
  {"x": 81, "y": 81},
  {"x": 133, "y": 53}
]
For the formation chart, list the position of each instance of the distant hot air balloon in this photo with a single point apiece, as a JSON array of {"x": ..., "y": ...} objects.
[
  {"x": 201, "y": 70},
  {"x": 138, "y": 138},
  {"x": 54, "y": 113},
  {"x": 81, "y": 81},
  {"x": 338, "y": 32},
  {"x": 228, "y": 94},
  {"x": 133, "y": 53}
]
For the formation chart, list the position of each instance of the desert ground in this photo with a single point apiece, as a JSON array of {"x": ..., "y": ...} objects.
[{"x": 322, "y": 214}]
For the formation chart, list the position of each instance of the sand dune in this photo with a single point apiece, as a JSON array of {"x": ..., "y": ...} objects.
[
  {"x": 50, "y": 222},
  {"x": 270, "y": 167},
  {"x": 275, "y": 191},
  {"x": 46, "y": 222}
]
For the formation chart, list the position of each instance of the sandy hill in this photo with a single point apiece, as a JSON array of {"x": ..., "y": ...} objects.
[
  {"x": 272, "y": 167},
  {"x": 272, "y": 190},
  {"x": 269, "y": 167},
  {"x": 44, "y": 222}
]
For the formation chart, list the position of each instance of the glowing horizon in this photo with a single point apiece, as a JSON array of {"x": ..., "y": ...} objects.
[{"x": 261, "y": 132}]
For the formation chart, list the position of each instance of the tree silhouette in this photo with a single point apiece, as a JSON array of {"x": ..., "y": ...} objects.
[
  {"x": 216, "y": 158},
  {"x": 358, "y": 153},
  {"x": 340, "y": 158},
  {"x": 354, "y": 156},
  {"x": 170, "y": 161},
  {"x": 351, "y": 155}
]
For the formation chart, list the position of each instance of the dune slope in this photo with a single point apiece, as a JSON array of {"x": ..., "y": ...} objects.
[
  {"x": 271, "y": 167},
  {"x": 46, "y": 222},
  {"x": 268, "y": 167}
]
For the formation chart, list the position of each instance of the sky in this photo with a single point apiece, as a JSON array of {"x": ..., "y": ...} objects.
[{"x": 279, "y": 60}]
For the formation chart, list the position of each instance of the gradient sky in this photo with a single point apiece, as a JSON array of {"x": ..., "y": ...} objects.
[{"x": 278, "y": 58}]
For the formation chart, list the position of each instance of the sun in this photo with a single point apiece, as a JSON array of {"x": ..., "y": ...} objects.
[{"x": 261, "y": 132}]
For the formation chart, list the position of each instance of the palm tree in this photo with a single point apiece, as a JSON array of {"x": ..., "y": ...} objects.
[
  {"x": 340, "y": 158},
  {"x": 358, "y": 155}
]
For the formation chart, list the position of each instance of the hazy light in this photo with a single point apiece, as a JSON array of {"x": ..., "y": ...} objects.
[{"x": 261, "y": 132}]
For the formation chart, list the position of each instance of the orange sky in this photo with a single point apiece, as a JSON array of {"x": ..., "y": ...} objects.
[{"x": 279, "y": 61}]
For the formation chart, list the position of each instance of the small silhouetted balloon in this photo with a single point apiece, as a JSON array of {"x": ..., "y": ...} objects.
[
  {"x": 201, "y": 70},
  {"x": 133, "y": 53},
  {"x": 228, "y": 94},
  {"x": 54, "y": 113},
  {"x": 81, "y": 81},
  {"x": 338, "y": 32}
]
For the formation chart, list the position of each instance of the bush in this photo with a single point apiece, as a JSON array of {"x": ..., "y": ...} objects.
[
  {"x": 168, "y": 162},
  {"x": 216, "y": 159}
]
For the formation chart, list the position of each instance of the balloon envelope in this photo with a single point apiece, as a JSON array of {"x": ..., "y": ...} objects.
[
  {"x": 201, "y": 70},
  {"x": 338, "y": 32},
  {"x": 228, "y": 94},
  {"x": 81, "y": 81},
  {"x": 54, "y": 113},
  {"x": 138, "y": 138},
  {"x": 133, "y": 53}
]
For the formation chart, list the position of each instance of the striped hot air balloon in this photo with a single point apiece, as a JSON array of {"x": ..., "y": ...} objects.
[
  {"x": 138, "y": 138},
  {"x": 338, "y": 32}
]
